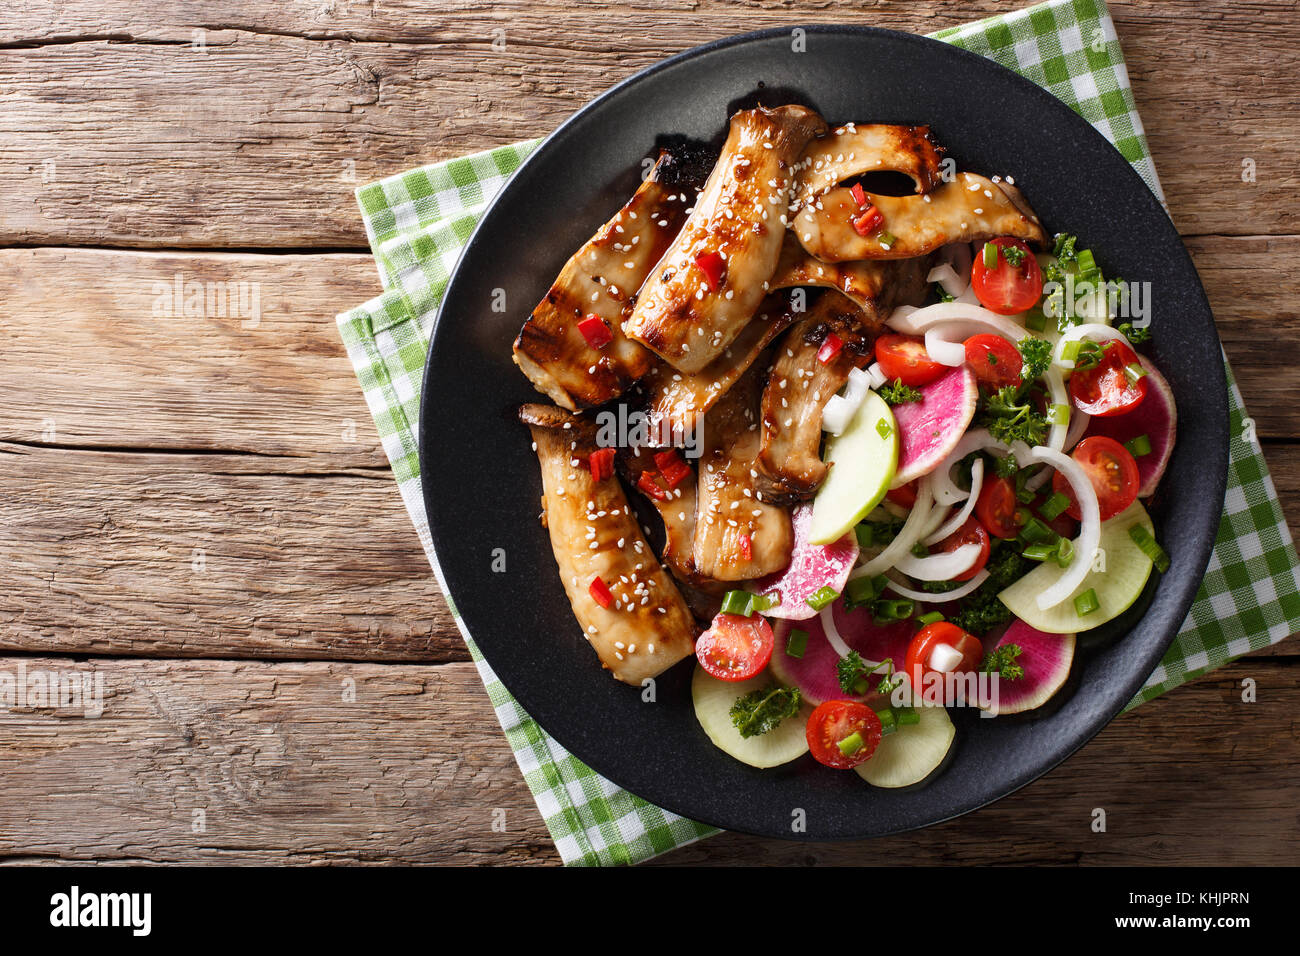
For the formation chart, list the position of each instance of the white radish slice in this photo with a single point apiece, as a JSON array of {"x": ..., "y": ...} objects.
[
  {"x": 912, "y": 752},
  {"x": 1093, "y": 331},
  {"x": 907, "y": 536},
  {"x": 959, "y": 519},
  {"x": 939, "y": 567},
  {"x": 1085, "y": 546},
  {"x": 946, "y": 491},
  {"x": 827, "y": 618},
  {"x": 713, "y": 700},
  {"x": 939, "y": 597}
]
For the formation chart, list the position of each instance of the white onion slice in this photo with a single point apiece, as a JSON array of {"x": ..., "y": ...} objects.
[
  {"x": 839, "y": 411},
  {"x": 943, "y": 566},
  {"x": 959, "y": 519},
  {"x": 966, "y": 319},
  {"x": 1078, "y": 425},
  {"x": 947, "y": 276},
  {"x": 876, "y": 375},
  {"x": 1094, "y": 331},
  {"x": 938, "y": 515},
  {"x": 960, "y": 256},
  {"x": 1085, "y": 545},
  {"x": 966, "y": 588},
  {"x": 908, "y": 535},
  {"x": 1056, "y": 385},
  {"x": 945, "y": 489},
  {"x": 943, "y": 350},
  {"x": 832, "y": 632}
]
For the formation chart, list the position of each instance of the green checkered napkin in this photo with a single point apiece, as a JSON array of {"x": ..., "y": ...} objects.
[{"x": 417, "y": 223}]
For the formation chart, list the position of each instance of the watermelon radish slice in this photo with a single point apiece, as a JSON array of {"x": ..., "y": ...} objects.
[
  {"x": 1156, "y": 417},
  {"x": 1046, "y": 659},
  {"x": 812, "y": 567},
  {"x": 814, "y": 673},
  {"x": 929, "y": 429}
]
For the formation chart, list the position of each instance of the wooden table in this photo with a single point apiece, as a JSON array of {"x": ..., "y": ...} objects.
[{"x": 197, "y": 507}]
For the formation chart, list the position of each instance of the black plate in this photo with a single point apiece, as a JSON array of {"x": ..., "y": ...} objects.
[{"x": 481, "y": 481}]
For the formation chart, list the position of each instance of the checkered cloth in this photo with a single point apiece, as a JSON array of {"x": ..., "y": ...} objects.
[{"x": 417, "y": 223}]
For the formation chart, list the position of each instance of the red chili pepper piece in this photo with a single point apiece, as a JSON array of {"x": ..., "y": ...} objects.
[
  {"x": 870, "y": 220},
  {"x": 601, "y": 463},
  {"x": 671, "y": 466},
  {"x": 830, "y": 348},
  {"x": 859, "y": 194},
  {"x": 648, "y": 485},
  {"x": 713, "y": 266},
  {"x": 595, "y": 331},
  {"x": 599, "y": 592},
  {"x": 746, "y": 547}
]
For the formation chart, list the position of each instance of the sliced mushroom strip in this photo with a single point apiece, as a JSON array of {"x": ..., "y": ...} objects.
[
  {"x": 601, "y": 279},
  {"x": 712, "y": 278},
  {"x": 853, "y": 150},
  {"x": 968, "y": 209},
  {"x": 595, "y": 536},
  {"x": 875, "y": 286},
  {"x": 790, "y": 467},
  {"x": 738, "y": 536},
  {"x": 678, "y": 400},
  {"x": 675, "y": 504}
]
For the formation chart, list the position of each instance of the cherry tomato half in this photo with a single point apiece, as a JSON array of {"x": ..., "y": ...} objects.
[
  {"x": 921, "y": 651},
  {"x": 736, "y": 647},
  {"x": 994, "y": 360},
  {"x": 1106, "y": 389},
  {"x": 904, "y": 495},
  {"x": 1007, "y": 289},
  {"x": 972, "y": 532},
  {"x": 1112, "y": 471},
  {"x": 904, "y": 357},
  {"x": 997, "y": 507},
  {"x": 836, "y": 720}
]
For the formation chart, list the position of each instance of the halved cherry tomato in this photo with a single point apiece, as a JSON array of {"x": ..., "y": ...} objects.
[
  {"x": 903, "y": 495},
  {"x": 837, "y": 720},
  {"x": 972, "y": 532},
  {"x": 904, "y": 357},
  {"x": 997, "y": 507},
  {"x": 921, "y": 650},
  {"x": 735, "y": 647},
  {"x": 1106, "y": 389},
  {"x": 994, "y": 360},
  {"x": 1007, "y": 289},
  {"x": 1112, "y": 471}
]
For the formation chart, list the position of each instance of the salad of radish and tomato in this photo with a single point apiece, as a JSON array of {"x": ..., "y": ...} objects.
[{"x": 988, "y": 462}]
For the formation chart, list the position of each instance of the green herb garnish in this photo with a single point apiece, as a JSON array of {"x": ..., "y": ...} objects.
[{"x": 762, "y": 710}]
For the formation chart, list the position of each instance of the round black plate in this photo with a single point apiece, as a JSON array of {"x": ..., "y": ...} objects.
[{"x": 481, "y": 480}]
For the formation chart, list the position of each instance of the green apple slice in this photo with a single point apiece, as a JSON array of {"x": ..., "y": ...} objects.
[
  {"x": 910, "y": 753},
  {"x": 863, "y": 459},
  {"x": 713, "y": 698},
  {"x": 1118, "y": 585}
]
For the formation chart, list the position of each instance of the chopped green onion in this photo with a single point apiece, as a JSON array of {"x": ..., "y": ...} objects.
[
  {"x": 1134, "y": 372},
  {"x": 1055, "y": 506},
  {"x": 1139, "y": 446},
  {"x": 1058, "y": 415},
  {"x": 883, "y": 428},
  {"x": 1086, "y": 603},
  {"x": 1035, "y": 532},
  {"x": 990, "y": 256},
  {"x": 893, "y": 610},
  {"x": 888, "y": 720},
  {"x": 887, "y": 239},
  {"x": 906, "y": 715},
  {"x": 738, "y": 602},
  {"x": 1087, "y": 264},
  {"x": 1039, "y": 552},
  {"x": 1158, "y": 555},
  {"x": 861, "y": 686},
  {"x": 1064, "y": 552},
  {"x": 821, "y": 597},
  {"x": 859, "y": 591},
  {"x": 851, "y": 744},
  {"x": 934, "y": 617},
  {"x": 796, "y": 643},
  {"x": 1035, "y": 320},
  {"x": 864, "y": 532}
]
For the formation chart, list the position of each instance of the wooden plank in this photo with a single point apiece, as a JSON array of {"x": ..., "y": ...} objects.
[
  {"x": 285, "y": 769},
  {"x": 121, "y": 128},
  {"x": 211, "y": 556}
]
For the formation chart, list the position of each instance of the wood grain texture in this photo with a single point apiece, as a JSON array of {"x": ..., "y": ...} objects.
[
  {"x": 285, "y": 769},
  {"x": 125, "y": 126}
]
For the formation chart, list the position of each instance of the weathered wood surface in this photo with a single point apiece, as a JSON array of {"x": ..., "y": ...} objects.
[
  {"x": 129, "y": 438},
  {"x": 124, "y": 126},
  {"x": 277, "y": 765}
]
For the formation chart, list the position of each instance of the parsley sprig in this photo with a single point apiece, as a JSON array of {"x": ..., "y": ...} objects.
[{"x": 762, "y": 710}]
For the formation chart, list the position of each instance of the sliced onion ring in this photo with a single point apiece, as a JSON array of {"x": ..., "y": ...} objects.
[
  {"x": 1085, "y": 545},
  {"x": 945, "y": 490},
  {"x": 943, "y": 566},
  {"x": 1056, "y": 386},
  {"x": 959, "y": 519},
  {"x": 947, "y": 276},
  {"x": 942, "y": 350},
  {"x": 964, "y": 318},
  {"x": 942, "y": 596},
  {"x": 1093, "y": 331},
  {"x": 907, "y": 536}
]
